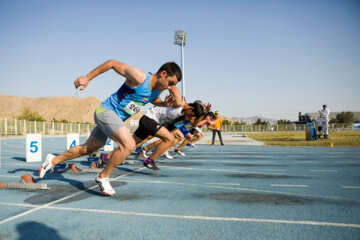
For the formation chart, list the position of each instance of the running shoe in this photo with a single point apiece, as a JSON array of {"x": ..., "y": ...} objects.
[
  {"x": 142, "y": 153},
  {"x": 180, "y": 152},
  {"x": 100, "y": 163},
  {"x": 151, "y": 165},
  {"x": 191, "y": 145},
  {"x": 47, "y": 165},
  {"x": 167, "y": 155},
  {"x": 105, "y": 186}
]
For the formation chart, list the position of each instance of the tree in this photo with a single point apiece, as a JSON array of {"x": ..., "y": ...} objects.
[
  {"x": 259, "y": 122},
  {"x": 345, "y": 117},
  {"x": 29, "y": 115},
  {"x": 283, "y": 121},
  {"x": 226, "y": 122},
  {"x": 239, "y": 123}
]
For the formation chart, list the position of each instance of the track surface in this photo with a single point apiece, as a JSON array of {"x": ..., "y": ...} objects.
[{"x": 214, "y": 192}]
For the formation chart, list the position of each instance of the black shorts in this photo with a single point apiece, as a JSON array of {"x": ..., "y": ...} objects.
[
  {"x": 147, "y": 127},
  {"x": 170, "y": 127}
]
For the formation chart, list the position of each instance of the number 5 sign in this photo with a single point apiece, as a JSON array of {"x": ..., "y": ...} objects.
[{"x": 33, "y": 148}]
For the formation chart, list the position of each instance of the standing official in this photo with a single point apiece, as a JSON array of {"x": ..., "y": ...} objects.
[{"x": 324, "y": 118}]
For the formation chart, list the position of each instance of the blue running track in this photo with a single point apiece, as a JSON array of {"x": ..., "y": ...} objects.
[{"x": 214, "y": 192}]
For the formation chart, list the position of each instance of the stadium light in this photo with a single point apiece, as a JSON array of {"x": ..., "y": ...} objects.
[{"x": 180, "y": 39}]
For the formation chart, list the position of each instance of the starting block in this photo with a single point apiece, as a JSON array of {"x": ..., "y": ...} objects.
[
  {"x": 26, "y": 182},
  {"x": 94, "y": 157},
  {"x": 61, "y": 167}
]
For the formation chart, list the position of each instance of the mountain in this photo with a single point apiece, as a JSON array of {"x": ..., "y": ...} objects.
[
  {"x": 71, "y": 109},
  {"x": 251, "y": 120}
]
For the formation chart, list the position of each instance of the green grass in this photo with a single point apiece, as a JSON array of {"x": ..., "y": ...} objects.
[{"x": 338, "y": 139}]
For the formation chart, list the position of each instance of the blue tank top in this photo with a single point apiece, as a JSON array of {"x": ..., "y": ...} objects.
[{"x": 128, "y": 101}]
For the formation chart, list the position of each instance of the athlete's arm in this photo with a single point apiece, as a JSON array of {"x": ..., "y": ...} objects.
[
  {"x": 195, "y": 121},
  {"x": 214, "y": 121},
  {"x": 177, "y": 98},
  {"x": 158, "y": 102},
  {"x": 134, "y": 76},
  {"x": 173, "y": 100},
  {"x": 211, "y": 127}
]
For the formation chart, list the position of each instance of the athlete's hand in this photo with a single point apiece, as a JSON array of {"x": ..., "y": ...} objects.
[
  {"x": 207, "y": 108},
  {"x": 169, "y": 100},
  {"x": 82, "y": 81}
]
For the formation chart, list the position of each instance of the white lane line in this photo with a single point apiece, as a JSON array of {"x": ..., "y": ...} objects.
[
  {"x": 323, "y": 170},
  {"x": 226, "y": 184},
  {"x": 18, "y": 164},
  {"x": 10, "y": 176},
  {"x": 351, "y": 187},
  {"x": 229, "y": 171},
  {"x": 346, "y": 162},
  {"x": 225, "y": 161},
  {"x": 287, "y": 185},
  {"x": 265, "y": 161},
  {"x": 59, "y": 200},
  {"x": 217, "y": 170},
  {"x": 142, "y": 181},
  {"x": 205, "y": 218},
  {"x": 273, "y": 170},
  {"x": 305, "y": 161}
]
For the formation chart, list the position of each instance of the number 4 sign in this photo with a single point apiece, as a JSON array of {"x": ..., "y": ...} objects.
[
  {"x": 72, "y": 140},
  {"x": 33, "y": 148}
]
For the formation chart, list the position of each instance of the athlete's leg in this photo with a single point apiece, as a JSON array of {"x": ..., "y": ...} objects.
[
  {"x": 196, "y": 137},
  {"x": 153, "y": 144},
  {"x": 91, "y": 145},
  {"x": 96, "y": 140},
  {"x": 199, "y": 135},
  {"x": 107, "y": 156},
  {"x": 183, "y": 144},
  {"x": 167, "y": 139},
  {"x": 126, "y": 144},
  {"x": 178, "y": 137},
  {"x": 145, "y": 141}
]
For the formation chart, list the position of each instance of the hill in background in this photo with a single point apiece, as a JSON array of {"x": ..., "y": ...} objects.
[{"x": 70, "y": 108}]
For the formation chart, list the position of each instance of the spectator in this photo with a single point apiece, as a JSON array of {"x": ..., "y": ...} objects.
[
  {"x": 217, "y": 128},
  {"x": 324, "y": 116}
]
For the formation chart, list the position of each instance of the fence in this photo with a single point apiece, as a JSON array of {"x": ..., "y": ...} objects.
[
  {"x": 22, "y": 127},
  {"x": 281, "y": 127}
]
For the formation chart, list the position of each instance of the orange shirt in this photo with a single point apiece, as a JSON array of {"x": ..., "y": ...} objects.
[{"x": 218, "y": 123}]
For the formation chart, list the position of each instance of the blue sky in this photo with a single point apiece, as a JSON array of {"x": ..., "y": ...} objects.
[{"x": 268, "y": 58}]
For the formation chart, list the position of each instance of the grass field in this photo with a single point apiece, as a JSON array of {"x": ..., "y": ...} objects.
[{"x": 338, "y": 139}]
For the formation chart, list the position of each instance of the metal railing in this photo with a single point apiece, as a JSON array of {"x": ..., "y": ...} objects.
[
  {"x": 13, "y": 127},
  {"x": 281, "y": 127}
]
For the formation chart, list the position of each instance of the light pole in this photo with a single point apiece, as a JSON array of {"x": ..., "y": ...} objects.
[{"x": 180, "y": 39}]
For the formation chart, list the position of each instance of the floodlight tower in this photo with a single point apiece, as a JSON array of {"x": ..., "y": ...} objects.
[{"x": 180, "y": 39}]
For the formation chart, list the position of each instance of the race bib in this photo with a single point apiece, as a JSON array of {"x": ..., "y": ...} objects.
[{"x": 133, "y": 107}]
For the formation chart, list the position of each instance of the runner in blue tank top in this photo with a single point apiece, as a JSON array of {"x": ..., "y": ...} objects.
[{"x": 139, "y": 89}]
